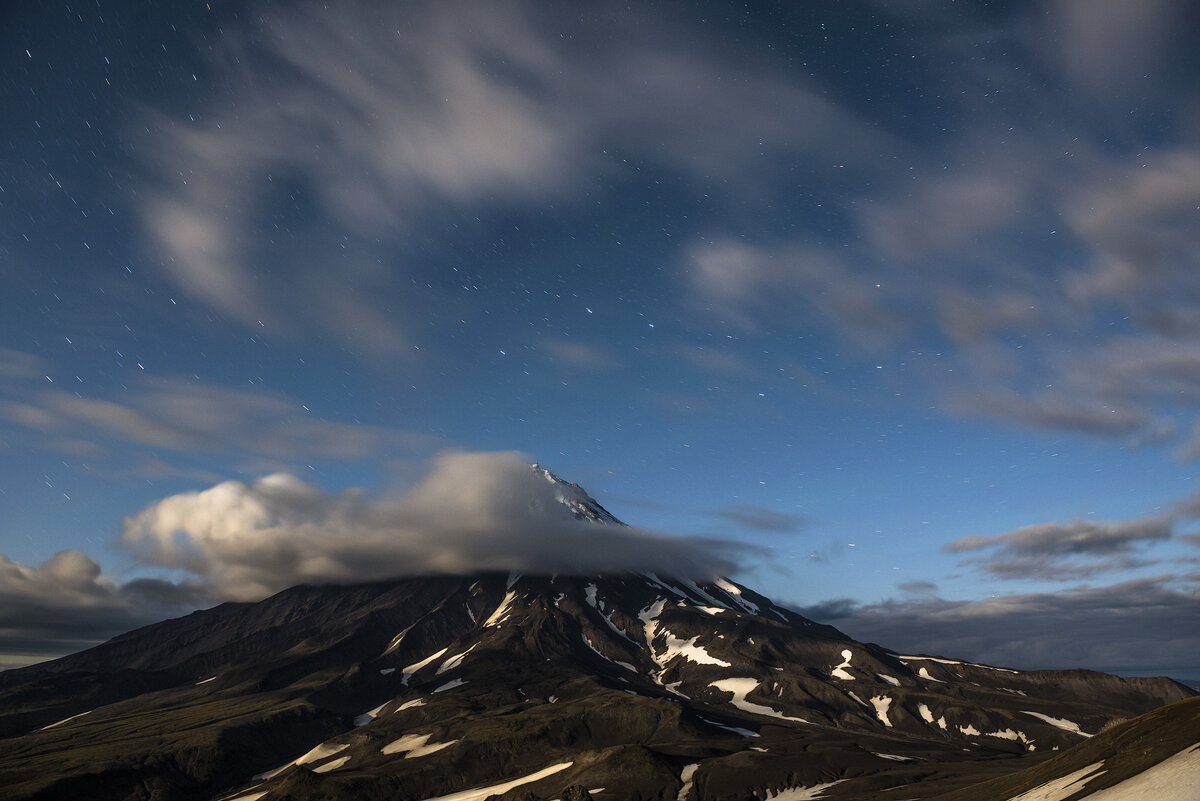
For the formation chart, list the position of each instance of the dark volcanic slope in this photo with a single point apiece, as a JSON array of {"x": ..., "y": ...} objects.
[{"x": 416, "y": 689}]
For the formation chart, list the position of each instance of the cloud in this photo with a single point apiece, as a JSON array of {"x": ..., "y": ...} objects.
[
  {"x": 66, "y": 604},
  {"x": 1111, "y": 47},
  {"x": 759, "y": 518},
  {"x": 1057, "y": 551},
  {"x": 473, "y": 512},
  {"x": 183, "y": 417},
  {"x": 747, "y": 283},
  {"x": 346, "y": 130},
  {"x": 1127, "y": 626},
  {"x": 567, "y": 352}
]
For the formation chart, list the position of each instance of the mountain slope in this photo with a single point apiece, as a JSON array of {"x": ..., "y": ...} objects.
[{"x": 630, "y": 679}]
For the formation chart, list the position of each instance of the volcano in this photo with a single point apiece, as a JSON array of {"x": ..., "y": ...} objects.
[{"x": 521, "y": 686}]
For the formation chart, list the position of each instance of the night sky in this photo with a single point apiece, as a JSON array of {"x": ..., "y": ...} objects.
[{"x": 890, "y": 310}]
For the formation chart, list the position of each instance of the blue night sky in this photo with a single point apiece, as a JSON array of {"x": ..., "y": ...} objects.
[{"x": 891, "y": 310}]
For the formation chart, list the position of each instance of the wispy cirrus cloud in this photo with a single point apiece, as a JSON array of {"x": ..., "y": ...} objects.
[
  {"x": 158, "y": 416},
  {"x": 378, "y": 119},
  {"x": 760, "y": 518},
  {"x": 1026, "y": 258}
]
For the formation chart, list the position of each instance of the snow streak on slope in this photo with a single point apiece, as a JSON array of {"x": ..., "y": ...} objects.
[
  {"x": 415, "y": 745},
  {"x": 1061, "y": 787},
  {"x": 454, "y": 661},
  {"x": 480, "y": 793},
  {"x": 741, "y": 687},
  {"x": 598, "y": 605},
  {"x": 1060, "y": 723},
  {"x": 413, "y": 668},
  {"x": 500, "y": 615}
]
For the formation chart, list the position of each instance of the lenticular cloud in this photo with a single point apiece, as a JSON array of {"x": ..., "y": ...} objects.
[{"x": 474, "y": 512}]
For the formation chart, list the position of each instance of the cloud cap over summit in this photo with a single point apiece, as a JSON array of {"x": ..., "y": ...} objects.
[{"x": 473, "y": 512}]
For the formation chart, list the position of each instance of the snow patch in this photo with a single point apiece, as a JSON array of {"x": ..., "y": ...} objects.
[
  {"x": 409, "y": 705},
  {"x": 839, "y": 671},
  {"x": 450, "y": 685},
  {"x": 387, "y": 671},
  {"x": 889, "y": 679},
  {"x": 970, "y": 730},
  {"x": 395, "y": 643},
  {"x": 926, "y": 715},
  {"x": 334, "y": 765},
  {"x": 1059, "y": 723},
  {"x": 625, "y": 665},
  {"x": 741, "y": 687},
  {"x": 907, "y": 659},
  {"x": 501, "y": 613},
  {"x": 734, "y": 729},
  {"x": 673, "y": 646},
  {"x": 881, "y": 704},
  {"x": 414, "y": 667},
  {"x": 322, "y": 751},
  {"x": 454, "y": 661},
  {"x": 924, "y": 673},
  {"x": 1063, "y": 786},
  {"x": 367, "y": 717},
  {"x": 206, "y": 681},
  {"x": 735, "y": 592},
  {"x": 1009, "y": 734},
  {"x": 415, "y": 745},
  {"x": 895, "y": 757},
  {"x": 480, "y": 793},
  {"x": 801, "y": 793},
  {"x": 685, "y": 776},
  {"x": 66, "y": 720}
]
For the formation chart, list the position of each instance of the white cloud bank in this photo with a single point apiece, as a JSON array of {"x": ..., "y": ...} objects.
[{"x": 473, "y": 512}]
